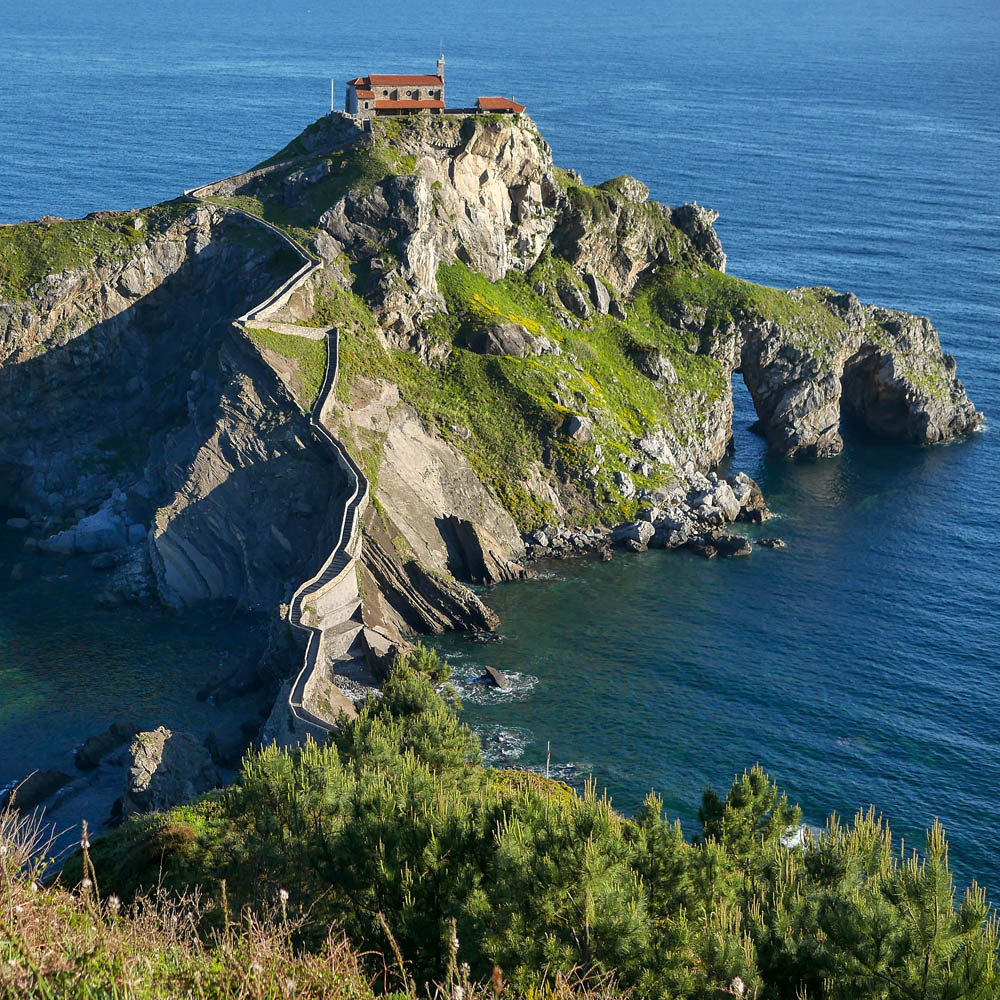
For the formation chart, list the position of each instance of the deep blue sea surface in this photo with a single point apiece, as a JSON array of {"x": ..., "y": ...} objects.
[{"x": 854, "y": 144}]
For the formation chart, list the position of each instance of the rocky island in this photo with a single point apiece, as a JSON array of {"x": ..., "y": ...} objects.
[
  {"x": 515, "y": 363},
  {"x": 336, "y": 392}
]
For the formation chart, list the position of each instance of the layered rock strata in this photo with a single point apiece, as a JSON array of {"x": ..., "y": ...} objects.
[{"x": 142, "y": 425}]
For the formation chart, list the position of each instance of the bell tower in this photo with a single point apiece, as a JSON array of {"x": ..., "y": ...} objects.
[{"x": 440, "y": 69}]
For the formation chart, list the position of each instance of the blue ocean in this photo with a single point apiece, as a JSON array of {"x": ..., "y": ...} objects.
[{"x": 854, "y": 144}]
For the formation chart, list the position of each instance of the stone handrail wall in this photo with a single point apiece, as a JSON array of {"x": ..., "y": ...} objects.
[
  {"x": 229, "y": 186},
  {"x": 340, "y": 561}
]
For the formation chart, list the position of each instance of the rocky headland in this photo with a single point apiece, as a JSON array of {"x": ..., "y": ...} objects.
[{"x": 528, "y": 366}]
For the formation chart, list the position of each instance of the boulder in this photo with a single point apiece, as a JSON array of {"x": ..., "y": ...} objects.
[
  {"x": 711, "y": 515},
  {"x": 753, "y": 507},
  {"x": 166, "y": 769},
  {"x": 617, "y": 310},
  {"x": 598, "y": 293},
  {"x": 18, "y": 523},
  {"x": 724, "y": 498},
  {"x": 496, "y": 677},
  {"x": 503, "y": 338},
  {"x": 100, "y": 532},
  {"x": 637, "y": 531},
  {"x": 624, "y": 483},
  {"x": 573, "y": 299},
  {"x": 771, "y": 543},
  {"x": 96, "y": 748},
  {"x": 670, "y": 536},
  {"x": 579, "y": 429},
  {"x": 733, "y": 545},
  {"x": 703, "y": 546}
]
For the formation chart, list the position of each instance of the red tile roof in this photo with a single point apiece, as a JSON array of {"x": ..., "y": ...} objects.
[
  {"x": 364, "y": 93},
  {"x": 387, "y": 105},
  {"x": 401, "y": 80},
  {"x": 499, "y": 104}
]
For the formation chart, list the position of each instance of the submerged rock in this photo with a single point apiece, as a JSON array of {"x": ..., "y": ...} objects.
[
  {"x": 96, "y": 748},
  {"x": 34, "y": 790},
  {"x": 733, "y": 545},
  {"x": 496, "y": 677}
]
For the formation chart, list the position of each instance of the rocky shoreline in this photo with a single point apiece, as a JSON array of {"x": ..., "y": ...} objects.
[
  {"x": 520, "y": 353},
  {"x": 693, "y": 515}
]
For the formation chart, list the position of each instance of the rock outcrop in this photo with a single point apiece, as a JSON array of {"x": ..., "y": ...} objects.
[
  {"x": 880, "y": 367},
  {"x": 96, "y": 748},
  {"x": 253, "y": 496},
  {"x": 33, "y": 790},
  {"x": 401, "y": 597},
  {"x": 590, "y": 383},
  {"x": 133, "y": 403},
  {"x": 166, "y": 769},
  {"x": 481, "y": 193}
]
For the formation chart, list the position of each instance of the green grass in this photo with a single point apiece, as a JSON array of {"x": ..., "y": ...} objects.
[
  {"x": 515, "y": 408},
  {"x": 507, "y": 403},
  {"x": 359, "y": 167},
  {"x": 308, "y": 356},
  {"x": 724, "y": 298},
  {"x": 31, "y": 250}
]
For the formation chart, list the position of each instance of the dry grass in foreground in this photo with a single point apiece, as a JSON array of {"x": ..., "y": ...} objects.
[{"x": 58, "y": 945}]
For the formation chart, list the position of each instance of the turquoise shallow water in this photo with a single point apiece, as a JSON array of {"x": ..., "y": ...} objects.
[
  {"x": 69, "y": 667},
  {"x": 857, "y": 146}
]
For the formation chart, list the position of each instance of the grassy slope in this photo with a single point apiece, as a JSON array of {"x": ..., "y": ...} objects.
[
  {"x": 308, "y": 356},
  {"x": 357, "y": 168},
  {"x": 31, "y": 250},
  {"x": 507, "y": 403}
]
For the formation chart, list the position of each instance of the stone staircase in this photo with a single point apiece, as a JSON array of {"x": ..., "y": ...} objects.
[
  {"x": 332, "y": 636},
  {"x": 338, "y": 570}
]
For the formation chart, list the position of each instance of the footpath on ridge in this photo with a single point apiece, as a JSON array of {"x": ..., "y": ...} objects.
[{"x": 332, "y": 637}]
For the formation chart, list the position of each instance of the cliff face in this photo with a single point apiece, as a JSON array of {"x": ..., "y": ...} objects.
[
  {"x": 517, "y": 348},
  {"x": 137, "y": 423},
  {"x": 600, "y": 324}
]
